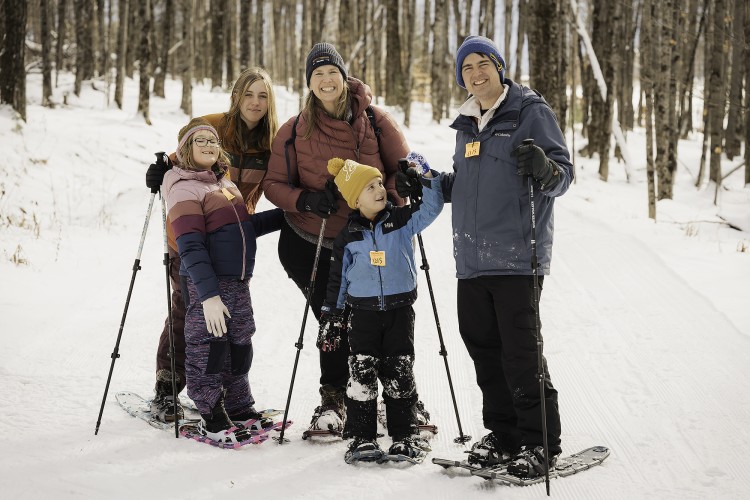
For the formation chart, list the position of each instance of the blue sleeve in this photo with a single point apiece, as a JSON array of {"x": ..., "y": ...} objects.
[
  {"x": 424, "y": 213},
  {"x": 197, "y": 262}
]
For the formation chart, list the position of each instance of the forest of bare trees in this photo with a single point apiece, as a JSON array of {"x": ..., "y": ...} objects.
[{"x": 633, "y": 63}]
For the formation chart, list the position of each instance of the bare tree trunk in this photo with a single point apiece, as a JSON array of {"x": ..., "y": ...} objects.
[
  {"x": 122, "y": 38},
  {"x": 747, "y": 93},
  {"x": 508, "y": 31},
  {"x": 733, "y": 135},
  {"x": 690, "y": 49},
  {"x": 134, "y": 31},
  {"x": 647, "y": 88},
  {"x": 12, "y": 50},
  {"x": 230, "y": 50},
  {"x": 626, "y": 35},
  {"x": 144, "y": 57},
  {"x": 440, "y": 67},
  {"x": 162, "y": 61},
  {"x": 523, "y": 10},
  {"x": 102, "y": 52},
  {"x": 716, "y": 88},
  {"x": 547, "y": 54},
  {"x": 188, "y": 47},
  {"x": 410, "y": 27},
  {"x": 664, "y": 73},
  {"x": 600, "y": 132},
  {"x": 258, "y": 32},
  {"x": 84, "y": 43},
  {"x": 244, "y": 33},
  {"x": 393, "y": 54},
  {"x": 487, "y": 18},
  {"x": 61, "y": 8},
  {"x": 46, "y": 63},
  {"x": 218, "y": 16}
]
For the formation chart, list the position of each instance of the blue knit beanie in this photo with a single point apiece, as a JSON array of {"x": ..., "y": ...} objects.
[{"x": 482, "y": 45}]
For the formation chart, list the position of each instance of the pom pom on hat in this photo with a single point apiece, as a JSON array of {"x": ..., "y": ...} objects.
[
  {"x": 482, "y": 45},
  {"x": 351, "y": 178},
  {"x": 323, "y": 54}
]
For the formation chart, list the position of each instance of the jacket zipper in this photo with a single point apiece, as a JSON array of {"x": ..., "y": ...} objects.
[{"x": 380, "y": 274}]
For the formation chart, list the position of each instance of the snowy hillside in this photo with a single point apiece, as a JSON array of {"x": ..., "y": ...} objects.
[{"x": 647, "y": 329}]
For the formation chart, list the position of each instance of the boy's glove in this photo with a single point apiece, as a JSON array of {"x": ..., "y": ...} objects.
[
  {"x": 214, "y": 311},
  {"x": 417, "y": 159},
  {"x": 532, "y": 161},
  {"x": 156, "y": 171},
  {"x": 321, "y": 203},
  {"x": 333, "y": 324}
]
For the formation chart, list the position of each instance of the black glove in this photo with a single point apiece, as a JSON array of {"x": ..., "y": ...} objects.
[
  {"x": 156, "y": 171},
  {"x": 532, "y": 161},
  {"x": 408, "y": 184},
  {"x": 321, "y": 203},
  {"x": 333, "y": 324}
]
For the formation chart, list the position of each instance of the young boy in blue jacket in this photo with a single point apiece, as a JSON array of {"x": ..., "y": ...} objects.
[{"x": 373, "y": 273}]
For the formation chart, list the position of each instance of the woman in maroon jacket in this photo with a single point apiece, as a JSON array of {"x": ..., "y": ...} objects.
[{"x": 336, "y": 121}]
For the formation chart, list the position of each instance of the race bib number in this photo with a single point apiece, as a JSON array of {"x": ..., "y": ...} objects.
[
  {"x": 377, "y": 258},
  {"x": 472, "y": 149}
]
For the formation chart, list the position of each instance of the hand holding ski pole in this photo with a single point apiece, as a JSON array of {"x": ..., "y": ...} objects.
[
  {"x": 214, "y": 311},
  {"x": 156, "y": 171},
  {"x": 333, "y": 324}
]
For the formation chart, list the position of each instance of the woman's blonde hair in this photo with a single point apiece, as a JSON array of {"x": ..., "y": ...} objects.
[
  {"x": 313, "y": 104},
  {"x": 238, "y": 138},
  {"x": 185, "y": 148}
]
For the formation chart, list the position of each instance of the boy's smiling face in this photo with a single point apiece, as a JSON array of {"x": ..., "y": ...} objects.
[{"x": 372, "y": 199}]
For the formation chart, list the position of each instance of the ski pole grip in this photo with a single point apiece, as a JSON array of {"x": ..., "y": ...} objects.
[
  {"x": 160, "y": 158},
  {"x": 403, "y": 165}
]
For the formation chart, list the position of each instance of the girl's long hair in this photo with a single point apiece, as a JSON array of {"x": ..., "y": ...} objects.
[
  {"x": 237, "y": 137},
  {"x": 313, "y": 104}
]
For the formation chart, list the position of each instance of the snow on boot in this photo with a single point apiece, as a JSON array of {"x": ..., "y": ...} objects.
[
  {"x": 529, "y": 463},
  {"x": 363, "y": 450},
  {"x": 162, "y": 406},
  {"x": 328, "y": 418},
  {"x": 488, "y": 451}
]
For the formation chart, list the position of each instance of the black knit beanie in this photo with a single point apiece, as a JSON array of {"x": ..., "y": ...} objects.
[{"x": 322, "y": 54}]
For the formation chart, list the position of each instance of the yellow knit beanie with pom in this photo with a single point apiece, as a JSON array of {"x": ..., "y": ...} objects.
[{"x": 351, "y": 178}]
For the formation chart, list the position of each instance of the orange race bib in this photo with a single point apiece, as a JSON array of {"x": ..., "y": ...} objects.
[{"x": 377, "y": 258}]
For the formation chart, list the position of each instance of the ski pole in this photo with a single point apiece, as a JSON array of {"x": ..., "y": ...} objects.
[
  {"x": 116, "y": 352},
  {"x": 299, "y": 344},
  {"x": 539, "y": 340},
  {"x": 160, "y": 159},
  {"x": 462, "y": 438}
]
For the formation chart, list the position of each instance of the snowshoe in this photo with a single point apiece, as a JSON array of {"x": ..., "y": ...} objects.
[
  {"x": 529, "y": 463},
  {"x": 252, "y": 420},
  {"x": 363, "y": 450},
  {"x": 326, "y": 421}
]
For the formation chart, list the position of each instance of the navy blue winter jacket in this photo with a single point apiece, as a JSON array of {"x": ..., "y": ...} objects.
[
  {"x": 353, "y": 278},
  {"x": 490, "y": 202}
]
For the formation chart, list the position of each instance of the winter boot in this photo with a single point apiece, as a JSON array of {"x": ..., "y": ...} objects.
[
  {"x": 252, "y": 420},
  {"x": 217, "y": 426},
  {"x": 162, "y": 406},
  {"x": 363, "y": 450},
  {"x": 410, "y": 447},
  {"x": 529, "y": 463},
  {"x": 331, "y": 413},
  {"x": 423, "y": 416},
  {"x": 489, "y": 451}
]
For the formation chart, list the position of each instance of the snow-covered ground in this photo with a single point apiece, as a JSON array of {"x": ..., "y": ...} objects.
[{"x": 647, "y": 328}]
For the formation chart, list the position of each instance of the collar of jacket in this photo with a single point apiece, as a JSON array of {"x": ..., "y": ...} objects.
[
  {"x": 210, "y": 176},
  {"x": 357, "y": 222},
  {"x": 509, "y": 111}
]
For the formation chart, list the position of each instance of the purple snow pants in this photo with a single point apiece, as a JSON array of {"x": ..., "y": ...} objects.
[{"x": 214, "y": 364}]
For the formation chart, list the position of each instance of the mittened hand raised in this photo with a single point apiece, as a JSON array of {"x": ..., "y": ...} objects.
[
  {"x": 419, "y": 161},
  {"x": 408, "y": 184},
  {"x": 156, "y": 171}
]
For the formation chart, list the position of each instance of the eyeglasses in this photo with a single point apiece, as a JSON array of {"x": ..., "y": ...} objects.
[{"x": 201, "y": 142}]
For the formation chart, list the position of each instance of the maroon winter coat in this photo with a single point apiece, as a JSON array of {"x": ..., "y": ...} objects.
[{"x": 308, "y": 158}]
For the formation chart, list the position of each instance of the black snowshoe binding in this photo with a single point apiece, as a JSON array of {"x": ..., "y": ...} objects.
[
  {"x": 363, "y": 450},
  {"x": 252, "y": 420},
  {"x": 411, "y": 449},
  {"x": 218, "y": 427},
  {"x": 529, "y": 463},
  {"x": 488, "y": 452}
]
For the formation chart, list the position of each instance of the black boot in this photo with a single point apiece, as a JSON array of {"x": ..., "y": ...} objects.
[{"x": 162, "y": 406}]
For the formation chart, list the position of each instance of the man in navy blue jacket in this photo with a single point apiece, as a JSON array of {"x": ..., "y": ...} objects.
[{"x": 492, "y": 245}]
